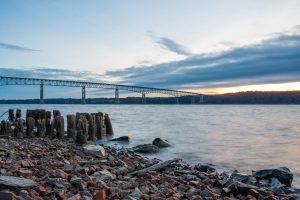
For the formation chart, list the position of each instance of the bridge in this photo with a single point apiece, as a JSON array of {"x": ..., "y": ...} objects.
[{"x": 4, "y": 80}]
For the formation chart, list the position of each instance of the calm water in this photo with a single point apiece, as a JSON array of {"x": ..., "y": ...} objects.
[{"x": 242, "y": 137}]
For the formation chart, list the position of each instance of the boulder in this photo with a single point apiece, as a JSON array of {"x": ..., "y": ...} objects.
[
  {"x": 103, "y": 175},
  {"x": 146, "y": 148},
  {"x": 160, "y": 143},
  {"x": 16, "y": 183},
  {"x": 204, "y": 168},
  {"x": 95, "y": 150},
  {"x": 121, "y": 139},
  {"x": 283, "y": 174}
]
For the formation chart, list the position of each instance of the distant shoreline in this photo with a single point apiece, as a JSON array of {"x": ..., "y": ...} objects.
[{"x": 249, "y": 98}]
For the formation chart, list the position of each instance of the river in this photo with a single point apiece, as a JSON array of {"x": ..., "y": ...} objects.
[{"x": 242, "y": 137}]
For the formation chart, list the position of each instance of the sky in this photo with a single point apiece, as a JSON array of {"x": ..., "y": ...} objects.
[{"x": 205, "y": 46}]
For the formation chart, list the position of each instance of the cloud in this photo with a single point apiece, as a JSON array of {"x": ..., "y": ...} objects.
[
  {"x": 51, "y": 73},
  {"x": 16, "y": 47},
  {"x": 276, "y": 59},
  {"x": 169, "y": 44}
]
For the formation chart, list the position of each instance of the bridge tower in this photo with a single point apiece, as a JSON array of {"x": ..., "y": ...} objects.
[
  {"x": 117, "y": 100},
  {"x": 83, "y": 95},
  {"x": 143, "y": 97},
  {"x": 201, "y": 99},
  {"x": 193, "y": 100},
  {"x": 42, "y": 92},
  {"x": 176, "y": 100}
]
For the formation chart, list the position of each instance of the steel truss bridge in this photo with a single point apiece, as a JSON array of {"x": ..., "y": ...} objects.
[{"x": 89, "y": 84}]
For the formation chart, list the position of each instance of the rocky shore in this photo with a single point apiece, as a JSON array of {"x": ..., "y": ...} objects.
[
  {"x": 41, "y": 168},
  {"x": 57, "y": 165}
]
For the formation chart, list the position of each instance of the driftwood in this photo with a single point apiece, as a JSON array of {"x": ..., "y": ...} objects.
[{"x": 155, "y": 167}]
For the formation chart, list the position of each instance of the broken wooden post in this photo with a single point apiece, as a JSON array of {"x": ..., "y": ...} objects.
[
  {"x": 19, "y": 129},
  {"x": 92, "y": 128},
  {"x": 60, "y": 127},
  {"x": 30, "y": 123},
  {"x": 48, "y": 123},
  {"x": 82, "y": 130},
  {"x": 71, "y": 127},
  {"x": 109, "y": 129},
  {"x": 41, "y": 127},
  {"x": 11, "y": 116},
  {"x": 18, "y": 114}
]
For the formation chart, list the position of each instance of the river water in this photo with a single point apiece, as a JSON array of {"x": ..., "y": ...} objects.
[{"x": 243, "y": 137}]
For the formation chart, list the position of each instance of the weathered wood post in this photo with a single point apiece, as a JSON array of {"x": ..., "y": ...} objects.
[
  {"x": 41, "y": 127},
  {"x": 82, "y": 130},
  {"x": 71, "y": 128},
  {"x": 18, "y": 114},
  {"x": 48, "y": 123},
  {"x": 30, "y": 123},
  {"x": 11, "y": 116},
  {"x": 101, "y": 129},
  {"x": 60, "y": 127},
  {"x": 19, "y": 129},
  {"x": 92, "y": 127},
  {"x": 109, "y": 129}
]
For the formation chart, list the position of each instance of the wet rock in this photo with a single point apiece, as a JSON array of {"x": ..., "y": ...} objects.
[
  {"x": 146, "y": 148},
  {"x": 95, "y": 150},
  {"x": 204, "y": 168},
  {"x": 121, "y": 139},
  {"x": 240, "y": 177},
  {"x": 13, "y": 182},
  {"x": 283, "y": 174},
  {"x": 7, "y": 195},
  {"x": 104, "y": 175},
  {"x": 161, "y": 143},
  {"x": 136, "y": 194}
]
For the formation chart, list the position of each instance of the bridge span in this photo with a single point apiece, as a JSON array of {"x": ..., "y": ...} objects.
[{"x": 5, "y": 80}]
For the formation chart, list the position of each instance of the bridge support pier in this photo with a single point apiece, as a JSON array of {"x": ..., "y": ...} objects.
[
  {"x": 83, "y": 95},
  {"x": 117, "y": 100},
  {"x": 193, "y": 100},
  {"x": 201, "y": 99},
  {"x": 143, "y": 97},
  {"x": 42, "y": 93},
  {"x": 176, "y": 100}
]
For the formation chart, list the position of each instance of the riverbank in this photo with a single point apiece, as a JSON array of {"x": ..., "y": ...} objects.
[{"x": 40, "y": 168}]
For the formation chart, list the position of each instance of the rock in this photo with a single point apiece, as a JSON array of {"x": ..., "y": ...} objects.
[
  {"x": 146, "y": 148},
  {"x": 240, "y": 177},
  {"x": 136, "y": 194},
  {"x": 283, "y": 174},
  {"x": 121, "y": 139},
  {"x": 101, "y": 195},
  {"x": 78, "y": 183},
  {"x": 104, "y": 175},
  {"x": 13, "y": 182},
  {"x": 7, "y": 195},
  {"x": 96, "y": 150},
  {"x": 160, "y": 143},
  {"x": 204, "y": 168}
]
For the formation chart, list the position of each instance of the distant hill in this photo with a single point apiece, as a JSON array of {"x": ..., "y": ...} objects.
[{"x": 288, "y": 97}]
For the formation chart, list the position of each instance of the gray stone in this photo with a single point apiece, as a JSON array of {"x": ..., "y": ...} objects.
[
  {"x": 161, "y": 143},
  {"x": 95, "y": 150},
  {"x": 104, "y": 175},
  {"x": 283, "y": 174},
  {"x": 121, "y": 139},
  {"x": 146, "y": 148},
  {"x": 13, "y": 182}
]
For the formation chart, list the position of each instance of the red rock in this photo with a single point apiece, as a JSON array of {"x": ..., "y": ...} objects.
[
  {"x": 60, "y": 173},
  {"x": 42, "y": 190},
  {"x": 33, "y": 194},
  {"x": 75, "y": 197},
  {"x": 197, "y": 197},
  {"x": 25, "y": 173},
  {"x": 253, "y": 193},
  {"x": 194, "y": 183},
  {"x": 25, "y": 163},
  {"x": 7, "y": 195},
  {"x": 91, "y": 184},
  {"x": 101, "y": 195},
  {"x": 249, "y": 197}
]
